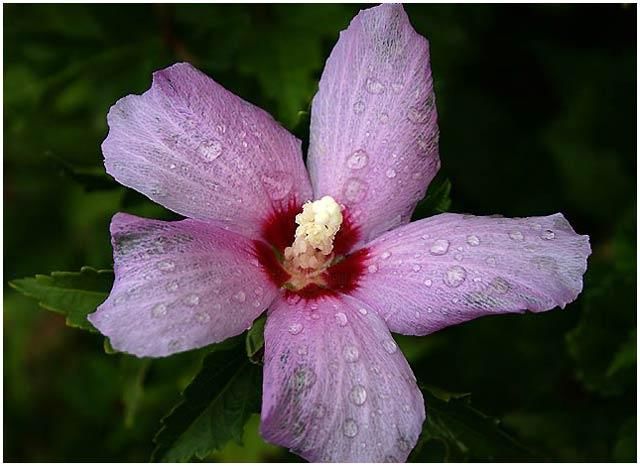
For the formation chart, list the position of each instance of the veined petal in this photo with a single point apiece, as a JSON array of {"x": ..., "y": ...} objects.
[
  {"x": 452, "y": 268},
  {"x": 374, "y": 136},
  {"x": 336, "y": 387},
  {"x": 199, "y": 150},
  {"x": 178, "y": 286}
]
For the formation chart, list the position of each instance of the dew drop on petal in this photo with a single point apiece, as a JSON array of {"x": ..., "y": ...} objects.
[
  {"x": 455, "y": 276},
  {"x": 295, "y": 328},
  {"x": 172, "y": 286},
  {"x": 192, "y": 300},
  {"x": 159, "y": 310},
  {"x": 351, "y": 353},
  {"x": 516, "y": 235},
  {"x": 390, "y": 346},
  {"x": 473, "y": 240},
  {"x": 416, "y": 268},
  {"x": 374, "y": 86},
  {"x": 372, "y": 268},
  {"x": 391, "y": 173},
  {"x": 547, "y": 234},
  {"x": 358, "y": 107},
  {"x": 341, "y": 319},
  {"x": 350, "y": 428},
  {"x": 166, "y": 266},
  {"x": 355, "y": 190},
  {"x": 240, "y": 296},
  {"x": 386, "y": 255},
  {"x": 428, "y": 282},
  {"x": 358, "y": 395},
  {"x": 203, "y": 317},
  {"x": 210, "y": 150},
  {"x": 491, "y": 260},
  {"x": 357, "y": 160},
  {"x": 439, "y": 247},
  {"x": 362, "y": 311}
]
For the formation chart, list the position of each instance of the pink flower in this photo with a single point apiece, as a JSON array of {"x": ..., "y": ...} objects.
[{"x": 337, "y": 276}]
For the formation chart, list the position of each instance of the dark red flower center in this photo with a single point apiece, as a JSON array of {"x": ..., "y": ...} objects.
[{"x": 341, "y": 276}]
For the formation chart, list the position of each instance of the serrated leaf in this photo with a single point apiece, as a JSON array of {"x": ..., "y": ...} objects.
[
  {"x": 436, "y": 201},
  {"x": 73, "y": 294},
  {"x": 455, "y": 431},
  {"x": 214, "y": 407}
]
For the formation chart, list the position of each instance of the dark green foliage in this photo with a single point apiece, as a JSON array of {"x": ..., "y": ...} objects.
[
  {"x": 73, "y": 294},
  {"x": 537, "y": 114},
  {"x": 214, "y": 408}
]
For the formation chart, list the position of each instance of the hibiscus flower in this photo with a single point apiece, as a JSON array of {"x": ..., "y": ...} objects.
[{"x": 328, "y": 252}]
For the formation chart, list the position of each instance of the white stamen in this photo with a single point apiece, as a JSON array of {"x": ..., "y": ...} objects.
[{"x": 318, "y": 224}]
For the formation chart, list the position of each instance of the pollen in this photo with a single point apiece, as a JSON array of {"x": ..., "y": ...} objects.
[{"x": 312, "y": 248}]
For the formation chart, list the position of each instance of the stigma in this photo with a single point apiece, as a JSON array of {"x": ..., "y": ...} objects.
[{"x": 312, "y": 249}]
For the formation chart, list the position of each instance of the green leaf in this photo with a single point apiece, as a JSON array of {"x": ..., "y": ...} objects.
[
  {"x": 436, "y": 201},
  {"x": 455, "y": 431},
  {"x": 73, "y": 294},
  {"x": 90, "y": 178},
  {"x": 214, "y": 407},
  {"x": 255, "y": 339}
]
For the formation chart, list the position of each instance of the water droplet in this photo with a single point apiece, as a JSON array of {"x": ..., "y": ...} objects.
[
  {"x": 372, "y": 268},
  {"x": 341, "y": 319},
  {"x": 458, "y": 257},
  {"x": 210, "y": 150},
  {"x": 277, "y": 184},
  {"x": 386, "y": 255},
  {"x": 166, "y": 266},
  {"x": 516, "y": 235},
  {"x": 547, "y": 234},
  {"x": 391, "y": 173},
  {"x": 203, "y": 317},
  {"x": 415, "y": 115},
  {"x": 362, "y": 311},
  {"x": 172, "y": 286},
  {"x": 358, "y": 395},
  {"x": 355, "y": 189},
  {"x": 192, "y": 300},
  {"x": 294, "y": 329},
  {"x": 159, "y": 310},
  {"x": 390, "y": 346},
  {"x": 455, "y": 276},
  {"x": 491, "y": 261},
  {"x": 384, "y": 117},
  {"x": 350, "y": 428},
  {"x": 357, "y": 160},
  {"x": 428, "y": 282},
  {"x": 358, "y": 107},
  {"x": 240, "y": 296},
  {"x": 473, "y": 240},
  {"x": 439, "y": 247},
  {"x": 499, "y": 285},
  {"x": 374, "y": 86},
  {"x": 416, "y": 268},
  {"x": 351, "y": 353},
  {"x": 303, "y": 350}
]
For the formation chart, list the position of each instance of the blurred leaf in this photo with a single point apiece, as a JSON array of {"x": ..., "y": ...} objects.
[
  {"x": 90, "y": 178},
  {"x": 133, "y": 372},
  {"x": 626, "y": 445},
  {"x": 255, "y": 339},
  {"x": 455, "y": 431},
  {"x": 214, "y": 408},
  {"x": 436, "y": 201},
  {"x": 74, "y": 294}
]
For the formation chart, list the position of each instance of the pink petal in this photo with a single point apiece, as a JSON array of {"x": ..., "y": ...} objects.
[
  {"x": 197, "y": 149},
  {"x": 336, "y": 387},
  {"x": 374, "y": 136},
  {"x": 179, "y": 286},
  {"x": 452, "y": 268}
]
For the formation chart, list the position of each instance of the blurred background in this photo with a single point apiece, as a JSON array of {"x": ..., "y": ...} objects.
[{"x": 537, "y": 110}]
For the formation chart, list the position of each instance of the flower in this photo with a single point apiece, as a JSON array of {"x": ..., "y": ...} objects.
[{"x": 330, "y": 253}]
